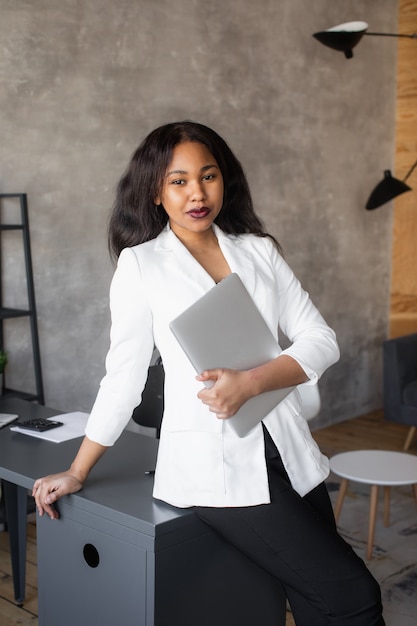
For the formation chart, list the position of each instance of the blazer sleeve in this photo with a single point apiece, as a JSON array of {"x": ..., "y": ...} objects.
[
  {"x": 129, "y": 356},
  {"x": 313, "y": 342}
]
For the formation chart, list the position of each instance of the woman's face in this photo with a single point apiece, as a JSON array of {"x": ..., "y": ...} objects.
[{"x": 192, "y": 189}]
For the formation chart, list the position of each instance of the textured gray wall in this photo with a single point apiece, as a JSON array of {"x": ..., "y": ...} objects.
[{"x": 82, "y": 81}]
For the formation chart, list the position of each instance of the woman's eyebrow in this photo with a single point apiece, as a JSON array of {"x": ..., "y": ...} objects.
[
  {"x": 176, "y": 172},
  {"x": 203, "y": 169}
]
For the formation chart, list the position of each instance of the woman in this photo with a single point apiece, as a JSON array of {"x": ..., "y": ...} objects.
[{"x": 183, "y": 220}]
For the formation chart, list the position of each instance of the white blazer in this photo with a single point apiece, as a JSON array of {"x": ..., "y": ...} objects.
[{"x": 200, "y": 460}]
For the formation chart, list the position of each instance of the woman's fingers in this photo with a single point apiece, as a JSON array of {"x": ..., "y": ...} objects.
[{"x": 48, "y": 490}]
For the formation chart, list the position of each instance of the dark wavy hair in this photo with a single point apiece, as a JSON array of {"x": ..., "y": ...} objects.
[{"x": 135, "y": 217}]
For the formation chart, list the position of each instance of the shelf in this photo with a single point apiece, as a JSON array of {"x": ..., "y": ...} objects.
[
  {"x": 11, "y": 313},
  {"x": 8, "y": 313},
  {"x": 11, "y": 227},
  {"x": 12, "y": 195}
]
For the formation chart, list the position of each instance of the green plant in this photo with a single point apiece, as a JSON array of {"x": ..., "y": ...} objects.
[{"x": 4, "y": 357}]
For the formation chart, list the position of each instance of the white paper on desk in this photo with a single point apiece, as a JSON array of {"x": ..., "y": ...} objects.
[{"x": 73, "y": 426}]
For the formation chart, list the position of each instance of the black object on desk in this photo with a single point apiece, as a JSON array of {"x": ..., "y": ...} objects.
[
  {"x": 117, "y": 555},
  {"x": 39, "y": 424}
]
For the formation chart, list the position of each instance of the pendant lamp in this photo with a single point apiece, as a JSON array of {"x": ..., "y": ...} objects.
[
  {"x": 388, "y": 189},
  {"x": 344, "y": 37}
]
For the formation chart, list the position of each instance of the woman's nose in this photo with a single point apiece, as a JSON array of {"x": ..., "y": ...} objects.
[{"x": 197, "y": 191}]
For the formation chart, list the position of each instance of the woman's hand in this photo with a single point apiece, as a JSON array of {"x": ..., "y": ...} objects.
[
  {"x": 49, "y": 489},
  {"x": 232, "y": 388},
  {"x": 229, "y": 391}
]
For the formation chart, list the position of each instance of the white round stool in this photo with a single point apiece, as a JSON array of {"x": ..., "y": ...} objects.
[{"x": 376, "y": 468}]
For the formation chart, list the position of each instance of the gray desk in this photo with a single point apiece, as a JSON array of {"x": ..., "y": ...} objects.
[
  {"x": 17, "y": 464},
  {"x": 117, "y": 556}
]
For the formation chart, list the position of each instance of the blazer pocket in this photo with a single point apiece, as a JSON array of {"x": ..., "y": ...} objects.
[{"x": 195, "y": 461}]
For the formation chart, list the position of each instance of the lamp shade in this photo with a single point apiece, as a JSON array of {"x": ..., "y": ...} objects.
[
  {"x": 343, "y": 37},
  {"x": 388, "y": 189}
]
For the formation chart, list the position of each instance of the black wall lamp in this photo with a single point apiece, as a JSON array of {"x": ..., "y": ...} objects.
[
  {"x": 388, "y": 189},
  {"x": 344, "y": 37}
]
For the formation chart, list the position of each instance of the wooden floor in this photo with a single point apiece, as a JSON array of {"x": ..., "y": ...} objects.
[
  {"x": 10, "y": 614},
  {"x": 367, "y": 432}
]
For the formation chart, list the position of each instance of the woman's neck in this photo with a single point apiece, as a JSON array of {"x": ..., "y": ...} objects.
[{"x": 197, "y": 242}]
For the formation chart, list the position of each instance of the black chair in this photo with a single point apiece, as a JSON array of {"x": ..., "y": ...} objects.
[
  {"x": 400, "y": 382},
  {"x": 150, "y": 411}
]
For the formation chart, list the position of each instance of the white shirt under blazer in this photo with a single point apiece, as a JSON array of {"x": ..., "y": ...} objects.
[{"x": 200, "y": 460}]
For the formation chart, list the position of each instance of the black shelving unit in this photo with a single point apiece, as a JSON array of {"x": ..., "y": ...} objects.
[{"x": 10, "y": 313}]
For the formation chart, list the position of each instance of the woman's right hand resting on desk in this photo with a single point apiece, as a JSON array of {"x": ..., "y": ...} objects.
[{"x": 49, "y": 489}]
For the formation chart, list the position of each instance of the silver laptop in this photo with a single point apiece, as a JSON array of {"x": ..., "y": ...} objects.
[{"x": 225, "y": 329}]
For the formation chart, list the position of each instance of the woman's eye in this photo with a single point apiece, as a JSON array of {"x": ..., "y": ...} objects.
[
  {"x": 209, "y": 177},
  {"x": 178, "y": 181}
]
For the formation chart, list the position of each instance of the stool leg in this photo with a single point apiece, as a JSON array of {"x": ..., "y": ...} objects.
[
  {"x": 342, "y": 492},
  {"x": 372, "y": 518},
  {"x": 415, "y": 492},
  {"x": 410, "y": 437},
  {"x": 387, "y": 493}
]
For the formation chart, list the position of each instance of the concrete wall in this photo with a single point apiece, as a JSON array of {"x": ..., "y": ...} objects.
[{"x": 83, "y": 81}]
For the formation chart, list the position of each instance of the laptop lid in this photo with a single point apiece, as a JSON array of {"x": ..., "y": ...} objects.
[{"x": 225, "y": 329}]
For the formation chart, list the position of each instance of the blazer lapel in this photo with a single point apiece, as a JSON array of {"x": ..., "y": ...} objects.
[
  {"x": 238, "y": 257},
  {"x": 182, "y": 261}
]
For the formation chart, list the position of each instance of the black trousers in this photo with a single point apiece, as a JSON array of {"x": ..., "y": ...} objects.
[{"x": 296, "y": 541}]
